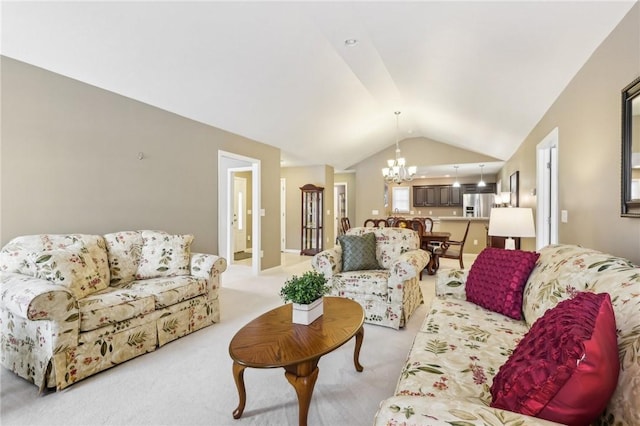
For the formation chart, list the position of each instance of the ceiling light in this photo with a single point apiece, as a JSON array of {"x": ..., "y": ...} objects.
[
  {"x": 456, "y": 184},
  {"x": 350, "y": 42},
  {"x": 397, "y": 171},
  {"x": 481, "y": 183}
]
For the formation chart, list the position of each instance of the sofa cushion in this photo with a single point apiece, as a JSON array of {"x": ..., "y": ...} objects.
[
  {"x": 390, "y": 242},
  {"x": 497, "y": 278},
  {"x": 164, "y": 255},
  {"x": 457, "y": 352},
  {"x": 566, "y": 367},
  {"x": 358, "y": 252},
  {"x": 74, "y": 268},
  {"x": 168, "y": 291},
  {"x": 567, "y": 269},
  {"x": 111, "y": 306},
  {"x": 372, "y": 282},
  {"x": 124, "y": 255}
]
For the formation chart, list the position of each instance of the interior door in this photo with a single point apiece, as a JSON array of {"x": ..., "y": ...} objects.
[{"x": 239, "y": 214}]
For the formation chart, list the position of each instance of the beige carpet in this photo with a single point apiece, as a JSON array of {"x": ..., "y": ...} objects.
[{"x": 189, "y": 381}]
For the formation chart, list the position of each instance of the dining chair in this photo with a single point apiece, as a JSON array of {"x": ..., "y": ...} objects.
[
  {"x": 345, "y": 225},
  {"x": 454, "y": 248},
  {"x": 428, "y": 223}
]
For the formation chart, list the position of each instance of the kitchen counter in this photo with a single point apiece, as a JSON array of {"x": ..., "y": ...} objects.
[
  {"x": 462, "y": 218},
  {"x": 456, "y": 225}
]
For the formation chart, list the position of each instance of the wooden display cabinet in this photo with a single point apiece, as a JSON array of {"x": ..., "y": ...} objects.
[{"x": 312, "y": 232}]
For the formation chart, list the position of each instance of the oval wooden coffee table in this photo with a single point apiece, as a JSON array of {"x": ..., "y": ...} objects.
[{"x": 272, "y": 341}]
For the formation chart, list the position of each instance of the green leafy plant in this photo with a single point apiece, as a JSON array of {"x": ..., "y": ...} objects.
[{"x": 305, "y": 289}]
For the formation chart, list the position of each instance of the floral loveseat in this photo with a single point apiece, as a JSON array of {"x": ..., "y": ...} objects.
[
  {"x": 388, "y": 288},
  {"x": 460, "y": 348},
  {"x": 74, "y": 305}
]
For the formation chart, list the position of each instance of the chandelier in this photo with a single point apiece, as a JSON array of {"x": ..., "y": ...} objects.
[{"x": 397, "y": 171}]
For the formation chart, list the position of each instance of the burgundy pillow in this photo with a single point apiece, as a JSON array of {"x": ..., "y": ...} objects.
[
  {"x": 566, "y": 367},
  {"x": 497, "y": 278}
]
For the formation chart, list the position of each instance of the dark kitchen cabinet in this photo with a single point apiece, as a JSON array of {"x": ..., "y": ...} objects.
[
  {"x": 436, "y": 196},
  {"x": 424, "y": 196},
  {"x": 472, "y": 188}
]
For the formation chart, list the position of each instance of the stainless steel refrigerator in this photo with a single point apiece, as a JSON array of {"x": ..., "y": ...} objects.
[{"x": 477, "y": 205}]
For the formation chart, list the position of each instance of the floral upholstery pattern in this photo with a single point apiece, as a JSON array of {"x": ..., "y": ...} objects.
[
  {"x": 53, "y": 338},
  {"x": 74, "y": 269},
  {"x": 124, "y": 250},
  {"x": 460, "y": 346},
  {"x": 164, "y": 255},
  {"x": 388, "y": 295}
]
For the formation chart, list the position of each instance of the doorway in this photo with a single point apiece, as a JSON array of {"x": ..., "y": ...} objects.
[
  {"x": 283, "y": 214},
  {"x": 228, "y": 164},
  {"x": 239, "y": 218},
  {"x": 547, "y": 192},
  {"x": 340, "y": 204}
]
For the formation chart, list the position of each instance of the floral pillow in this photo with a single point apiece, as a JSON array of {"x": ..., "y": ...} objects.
[
  {"x": 566, "y": 367},
  {"x": 73, "y": 269},
  {"x": 164, "y": 255},
  {"x": 124, "y": 255},
  {"x": 497, "y": 278}
]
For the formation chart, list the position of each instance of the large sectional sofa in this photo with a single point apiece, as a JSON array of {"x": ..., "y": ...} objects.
[
  {"x": 455, "y": 368},
  {"x": 73, "y": 305}
]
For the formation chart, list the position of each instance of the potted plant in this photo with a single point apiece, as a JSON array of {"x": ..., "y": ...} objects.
[{"x": 306, "y": 294}]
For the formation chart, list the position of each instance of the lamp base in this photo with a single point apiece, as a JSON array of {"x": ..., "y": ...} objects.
[{"x": 510, "y": 244}]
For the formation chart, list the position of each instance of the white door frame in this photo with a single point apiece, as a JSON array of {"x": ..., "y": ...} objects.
[
  {"x": 239, "y": 214},
  {"x": 283, "y": 214},
  {"x": 336, "y": 206},
  {"x": 547, "y": 190},
  {"x": 227, "y": 163}
]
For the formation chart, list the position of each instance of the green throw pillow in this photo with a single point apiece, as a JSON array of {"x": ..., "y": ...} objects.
[{"x": 358, "y": 252}]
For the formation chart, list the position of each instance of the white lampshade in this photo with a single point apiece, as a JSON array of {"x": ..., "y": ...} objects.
[{"x": 511, "y": 222}]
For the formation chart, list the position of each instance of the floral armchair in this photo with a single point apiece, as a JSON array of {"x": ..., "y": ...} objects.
[{"x": 389, "y": 292}]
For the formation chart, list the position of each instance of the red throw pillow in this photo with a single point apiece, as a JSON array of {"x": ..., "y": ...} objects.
[
  {"x": 566, "y": 367},
  {"x": 497, "y": 278}
]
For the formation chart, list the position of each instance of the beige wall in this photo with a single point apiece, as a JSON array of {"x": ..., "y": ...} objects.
[
  {"x": 587, "y": 115},
  {"x": 70, "y": 164},
  {"x": 369, "y": 181}
]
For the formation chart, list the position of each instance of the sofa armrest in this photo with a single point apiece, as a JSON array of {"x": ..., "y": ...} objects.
[
  {"x": 328, "y": 262},
  {"x": 409, "y": 264},
  {"x": 452, "y": 283},
  {"x": 37, "y": 299},
  {"x": 423, "y": 410},
  {"x": 405, "y": 267},
  {"x": 208, "y": 266}
]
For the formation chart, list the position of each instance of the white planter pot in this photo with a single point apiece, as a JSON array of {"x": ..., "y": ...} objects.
[{"x": 306, "y": 314}]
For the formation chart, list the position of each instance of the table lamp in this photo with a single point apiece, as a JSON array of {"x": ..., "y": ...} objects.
[{"x": 511, "y": 222}]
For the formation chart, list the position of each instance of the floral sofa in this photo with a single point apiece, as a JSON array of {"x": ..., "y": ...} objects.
[
  {"x": 73, "y": 305},
  {"x": 386, "y": 284},
  {"x": 460, "y": 348}
]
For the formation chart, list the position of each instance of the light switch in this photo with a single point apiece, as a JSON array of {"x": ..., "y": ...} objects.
[
  {"x": 564, "y": 216},
  {"x": 262, "y": 212},
  {"x": 374, "y": 212}
]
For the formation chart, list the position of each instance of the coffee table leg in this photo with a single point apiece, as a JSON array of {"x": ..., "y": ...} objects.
[
  {"x": 356, "y": 352},
  {"x": 238, "y": 376},
  {"x": 303, "y": 382}
]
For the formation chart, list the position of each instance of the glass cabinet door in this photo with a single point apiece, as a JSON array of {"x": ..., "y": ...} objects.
[{"x": 312, "y": 225}]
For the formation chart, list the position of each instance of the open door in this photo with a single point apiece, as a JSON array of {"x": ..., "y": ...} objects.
[{"x": 239, "y": 215}]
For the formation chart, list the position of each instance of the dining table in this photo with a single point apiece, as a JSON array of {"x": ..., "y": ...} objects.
[{"x": 435, "y": 242}]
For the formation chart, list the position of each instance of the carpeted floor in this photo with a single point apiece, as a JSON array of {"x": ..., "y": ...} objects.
[{"x": 189, "y": 381}]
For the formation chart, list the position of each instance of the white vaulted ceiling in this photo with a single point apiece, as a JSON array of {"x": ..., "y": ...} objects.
[{"x": 476, "y": 75}]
